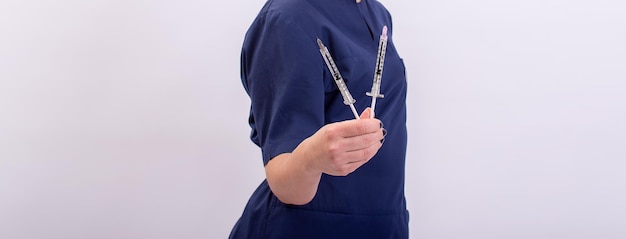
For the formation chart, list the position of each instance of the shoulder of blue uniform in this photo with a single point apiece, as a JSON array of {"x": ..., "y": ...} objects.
[
  {"x": 288, "y": 9},
  {"x": 292, "y": 16}
]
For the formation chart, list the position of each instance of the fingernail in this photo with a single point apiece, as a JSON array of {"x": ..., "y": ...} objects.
[{"x": 384, "y": 134}]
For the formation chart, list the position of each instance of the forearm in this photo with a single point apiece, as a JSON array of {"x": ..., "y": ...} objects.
[
  {"x": 336, "y": 149},
  {"x": 291, "y": 179}
]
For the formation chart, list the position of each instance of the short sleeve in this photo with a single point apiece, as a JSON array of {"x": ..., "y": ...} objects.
[{"x": 281, "y": 69}]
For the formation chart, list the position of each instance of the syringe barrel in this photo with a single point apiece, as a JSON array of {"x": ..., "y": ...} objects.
[
  {"x": 341, "y": 84},
  {"x": 347, "y": 97},
  {"x": 380, "y": 62}
]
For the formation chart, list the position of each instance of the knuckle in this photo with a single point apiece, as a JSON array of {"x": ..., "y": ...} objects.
[
  {"x": 369, "y": 152},
  {"x": 337, "y": 161},
  {"x": 333, "y": 160},
  {"x": 345, "y": 170},
  {"x": 367, "y": 139},
  {"x": 361, "y": 127},
  {"x": 329, "y": 132},
  {"x": 365, "y": 153},
  {"x": 334, "y": 149}
]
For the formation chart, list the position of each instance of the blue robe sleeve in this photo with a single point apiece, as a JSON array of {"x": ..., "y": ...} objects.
[{"x": 282, "y": 72}]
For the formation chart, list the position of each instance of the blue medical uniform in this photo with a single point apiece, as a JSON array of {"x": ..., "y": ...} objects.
[{"x": 293, "y": 95}]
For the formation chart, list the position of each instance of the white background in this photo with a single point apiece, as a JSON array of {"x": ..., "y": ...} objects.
[{"x": 127, "y": 119}]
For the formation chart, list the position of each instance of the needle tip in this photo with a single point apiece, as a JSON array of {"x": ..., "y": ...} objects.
[{"x": 320, "y": 44}]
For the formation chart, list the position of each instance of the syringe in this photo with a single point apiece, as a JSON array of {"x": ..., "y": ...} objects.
[
  {"x": 347, "y": 97},
  {"x": 378, "y": 73}
]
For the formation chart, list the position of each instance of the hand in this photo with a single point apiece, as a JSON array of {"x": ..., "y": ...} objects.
[{"x": 340, "y": 148}]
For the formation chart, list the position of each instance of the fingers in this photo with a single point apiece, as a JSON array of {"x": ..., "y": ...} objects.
[
  {"x": 346, "y": 169},
  {"x": 345, "y": 146},
  {"x": 350, "y": 161},
  {"x": 367, "y": 113},
  {"x": 363, "y": 141},
  {"x": 351, "y": 128},
  {"x": 351, "y": 153}
]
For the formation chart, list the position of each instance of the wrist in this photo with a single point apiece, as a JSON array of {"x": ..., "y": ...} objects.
[{"x": 308, "y": 160}]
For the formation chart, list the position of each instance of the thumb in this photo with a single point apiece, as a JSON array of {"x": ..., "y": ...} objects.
[{"x": 367, "y": 113}]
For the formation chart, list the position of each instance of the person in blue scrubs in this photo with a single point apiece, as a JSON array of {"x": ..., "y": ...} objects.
[{"x": 328, "y": 175}]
